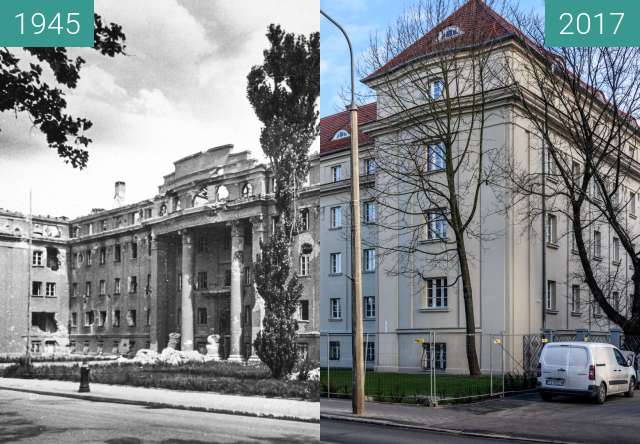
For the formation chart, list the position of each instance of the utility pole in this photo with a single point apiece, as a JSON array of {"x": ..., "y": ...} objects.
[
  {"x": 356, "y": 328},
  {"x": 29, "y": 259}
]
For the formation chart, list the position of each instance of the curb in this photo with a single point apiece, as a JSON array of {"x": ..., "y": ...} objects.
[
  {"x": 162, "y": 405},
  {"x": 400, "y": 425}
]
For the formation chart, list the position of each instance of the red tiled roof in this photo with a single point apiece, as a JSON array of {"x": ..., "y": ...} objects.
[
  {"x": 478, "y": 22},
  {"x": 330, "y": 125}
]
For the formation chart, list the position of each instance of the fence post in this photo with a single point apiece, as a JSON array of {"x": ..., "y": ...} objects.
[
  {"x": 328, "y": 366},
  {"x": 548, "y": 334},
  {"x": 433, "y": 369},
  {"x": 502, "y": 354},
  {"x": 616, "y": 337},
  {"x": 580, "y": 334},
  {"x": 491, "y": 365}
]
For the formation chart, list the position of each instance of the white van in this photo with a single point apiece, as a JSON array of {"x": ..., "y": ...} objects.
[{"x": 584, "y": 368}]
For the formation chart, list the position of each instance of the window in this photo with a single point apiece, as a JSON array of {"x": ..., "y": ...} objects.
[
  {"x": 616, "y": 250},
  {"x": 551, "y": 296},
  {"x": 74, "y": 319},
  {"x": 148, "y": 317},
  {"x": 369, "y": 307},
  {"x": 133, "y": 284},
  {"x": 369, "y": 212},
  {"x": 222, "y": 193},
  {"x": 50, "y": 289},
  {"x": 615, "y": 296},
  {"x": 116, "y": 286},
  {"x": 37, "y": 258},
  {"x": 435, "y": 355},
  {"x": 597, "y": 310},
  {"x": 80, "y": 258},
  {"x": 227, "y": 277},
  {"x": 303, "y": 350},
  {"x": 336, "y": 308},
  {"x": 370, "y": 351},
  {"x": 449, "y": 32},
  {"x": 436, "y": 88},
  {"x": 102, "y": 288},
  {"x": 336, "y": 217},
  {"x": 335, "y": 260},
  {"x": 177, "y": 205},
  {"x": 202, "y": 315},
  {"x": 575, "y": 170},
  {"x": 551, "y": 166},
  {"x": 102, "y": 318},
  {"x": 369, "y": 166},
  {"x": 336, "y": 173},
  {"x": 163, "y": 209},
  {"x": 247, "y": 315},
  {"x": 134, "y": 249},
  {"x": 435, "y": 157},
  {"x": 202, "y": 280},
  {"x": 436, "y": 225},
  {"x": 552, "y": 229},
  {"x": 117, "y": 253},
  {"x": 131, "y": 318},
  {"x": 436, "y": 293},
  {"x": 36, "y": 288},
  {"x": 247, "y": 190},
  {"x": 632, "y": 204},
  {"x": 203, "y": 245},
  {"x": 88, "y": 318},
  {"x": 334, "y": 351},
  {"x": 304, "y": 265},
  {"x": 115, "y": 320},
  {"x": 369, "y": 259},
  {"x": 597, "y": 244},
  {"x": 304, "y": 220},
  {"x": 341, "y": 134},
  {"x": 89, "y": 258},
  {"x": 247, "y": 275},
  {"x": 74, "y": 290},
  {"x": 147, "y": 289},
  {"x": 303, "y": 310},
  {"x": 103, "y": 255},
  {"x": 87, "y": 289},
  {"x": 575, "y": 299}
]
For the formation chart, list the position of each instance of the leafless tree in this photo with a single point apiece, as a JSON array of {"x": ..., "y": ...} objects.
[
  {"x": 433, "y": 154},
  {"x": 581, "y": 106}
]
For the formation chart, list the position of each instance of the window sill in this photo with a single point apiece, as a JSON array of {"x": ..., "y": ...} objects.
[
  {"x": 434, "y": 241},
  {"x": 335, "y": 274},
  {"x": 433, "y": 310},
  {"x": 576, "y": 314},
  {"x": 597, "y": 259},
  {"x": 552, "y": 245},
  {"x": 303, "y": 321},
  {"x": 368, "y": 271},
  {"x": 633, "y": 216},
  {"x": 574, "y": 251},
  {"x": 369, "y": 318},
  {"x": 335, "y": 319},
  {"x": 552, "y": 312},
  {"x": 335, "y": 228},
  {"x": 598, "y": 316}
]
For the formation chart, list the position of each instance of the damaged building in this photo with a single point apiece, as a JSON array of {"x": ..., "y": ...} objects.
[{"x": 123, "y": 279}]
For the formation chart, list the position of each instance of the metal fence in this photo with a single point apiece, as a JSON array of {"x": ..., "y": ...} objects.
[{"x": 432, "y": 367}]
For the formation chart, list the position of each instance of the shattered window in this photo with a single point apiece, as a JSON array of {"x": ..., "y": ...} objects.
[{"x": 44, "y": 321}]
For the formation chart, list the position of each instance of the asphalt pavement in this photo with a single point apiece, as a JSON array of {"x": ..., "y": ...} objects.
[{"x": 34, "y": 418}]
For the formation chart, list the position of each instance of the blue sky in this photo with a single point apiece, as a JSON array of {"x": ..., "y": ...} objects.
[{"x": 360, "y": 18}]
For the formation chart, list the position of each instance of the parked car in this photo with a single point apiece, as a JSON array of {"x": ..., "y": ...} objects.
[{"x": 584, "y": 369}]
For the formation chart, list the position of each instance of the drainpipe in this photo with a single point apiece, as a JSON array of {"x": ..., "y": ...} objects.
[{"x": 544, "y": 237}]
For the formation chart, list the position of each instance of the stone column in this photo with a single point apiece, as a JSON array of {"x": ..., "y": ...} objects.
[
  {"x": 156, "y": 299},
  {"x": 257, "y": 314},
  {"x": 237, "y": 261},
  {"x": 187, "y": 292}
]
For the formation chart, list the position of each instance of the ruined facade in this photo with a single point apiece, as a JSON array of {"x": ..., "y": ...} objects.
[{"x": 181, "y": 262}]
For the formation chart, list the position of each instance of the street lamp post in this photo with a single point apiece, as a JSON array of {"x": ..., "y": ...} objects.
[{"x": 356, "y": 330}]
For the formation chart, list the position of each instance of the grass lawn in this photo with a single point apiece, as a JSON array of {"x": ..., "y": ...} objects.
[{"x": 412, "y": 387}]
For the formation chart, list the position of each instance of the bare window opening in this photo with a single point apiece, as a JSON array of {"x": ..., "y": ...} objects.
[
  {"x": 53, "y": 258},
  {"x": 44, "y": 321}
]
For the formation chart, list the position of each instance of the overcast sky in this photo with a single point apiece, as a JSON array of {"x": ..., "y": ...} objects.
[
  {"x": 180, "y": 90},
  {"x": 361, "y": 19}
]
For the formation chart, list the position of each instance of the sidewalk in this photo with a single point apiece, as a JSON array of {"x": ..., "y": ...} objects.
[
  {"x": 161, "y": 398},
  {"x": 519, "y": 418}
]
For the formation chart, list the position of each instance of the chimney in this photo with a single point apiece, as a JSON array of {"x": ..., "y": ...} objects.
[{"x": 118, "y": 199}]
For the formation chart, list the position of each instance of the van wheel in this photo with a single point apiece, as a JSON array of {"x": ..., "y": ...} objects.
[
  {"x": 632, "y": 388},
  {"x": 546, "y": 396},
  {"x": 601, "y": 394}
]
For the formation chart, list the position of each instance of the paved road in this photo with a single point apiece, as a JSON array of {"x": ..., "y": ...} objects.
[
  {"x": 30, "y": 418},
  {"x": 349, "y": 432}
]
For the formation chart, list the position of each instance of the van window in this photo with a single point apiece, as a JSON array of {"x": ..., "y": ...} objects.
[
  {"x": 555, "y": 355},
  {"x": 621, "y": 360},
  {"x": 578, "y": 357}
]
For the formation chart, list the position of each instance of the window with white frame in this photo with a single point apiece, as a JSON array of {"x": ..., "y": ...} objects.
[
  {"x": 102, "y": 287},
  {"x": 449, "y": 32},
  {"x": 369, "y": 166},
  {"x": 597, "y": 244},
  {"x": 88, "y": 318},
  {"x": 632, "y": 204},
  {"x": 335, "y": 261},
  {"x": 336, "y": 217},
  {"x": 435, "y": 157},
  {"x": 436, "y": 89},
  {"x": 369, "y": 259},
  {"x": 575, "y": 299},
  {"x": 131, "y": 318},
  {"x": 597, "y": 310},
  {"x": 336, "y": 173},
  {"x": 341, "y": 134},
  {"x": 436, "y": 225},
  {"x": 87, "y": 289},
  {"x": 334, "y": 351},
  {"x": 575, "y": 170},
  {"x": 370, "y": 351},
  {"x": 37, "y": 258},
  {"x": 616, "y": 250},
  {"x": 116, "y": 286},
  {"x": 133, "y": 284},
  {"x": 369, "y": 212},
  {"x": 615, "y": 300},
  {"x": 36, "y": 288},
  {"x": 552, "y": 229},
  {"x": 304, "y": 220},
  {"x": 551, "y": 296},
  {"x": 436, "y": 293},
  {"x": 369, "y": 307},
  {"x": 102, "y": 318},
  {"x": 335, "y": 308},
  {"x": 304, "y": 264},
  {"x": 435, "y": 356},
  {"x": 50, "y": 289}
]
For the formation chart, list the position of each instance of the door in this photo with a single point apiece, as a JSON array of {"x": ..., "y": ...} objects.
[
  {"x": 555, "y": 361},
  {"x": 623, "y": 375},
  {"x": 578, "y": 369},
  {"x": 616, "y": 377}
]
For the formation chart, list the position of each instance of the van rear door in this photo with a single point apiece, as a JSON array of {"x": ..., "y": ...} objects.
[
  {"x": 555, "y": 360},
  {"x": 578, "y": 368}
]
